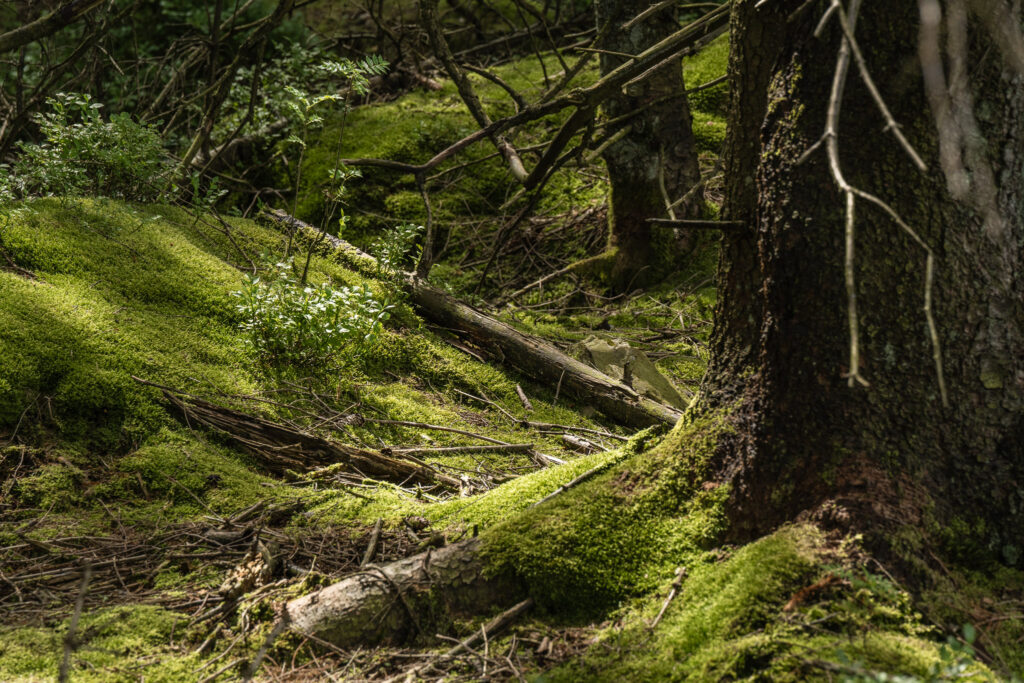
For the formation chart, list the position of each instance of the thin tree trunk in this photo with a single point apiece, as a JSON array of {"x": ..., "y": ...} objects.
[{"x": 655, "y": 163}]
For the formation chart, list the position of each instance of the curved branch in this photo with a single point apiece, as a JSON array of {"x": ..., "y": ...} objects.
[{"x": 63, "y": 16}]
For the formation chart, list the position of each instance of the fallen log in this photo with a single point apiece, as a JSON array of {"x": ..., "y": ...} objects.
[
  {"x": 534, "y": 357},
  {"x": 389, "y": 603},
  {"x": 279, "y": 448}
]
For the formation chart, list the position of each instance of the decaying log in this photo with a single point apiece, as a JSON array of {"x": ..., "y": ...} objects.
[
  {"x": 390, "y": 603},
  {"x": 280, "y": 448},
  {"x": 534, "y": 357},
  {"x": 540, "y": 360}
]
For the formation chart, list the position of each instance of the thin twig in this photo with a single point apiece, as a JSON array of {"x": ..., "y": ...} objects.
[
  {"x": 371, "y": 547},
  {"x": 676, "y": 585},
  {"x": 70, "y": 641}
]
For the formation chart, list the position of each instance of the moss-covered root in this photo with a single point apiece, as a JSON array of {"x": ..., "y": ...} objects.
[{"x": 431, "y": 587}]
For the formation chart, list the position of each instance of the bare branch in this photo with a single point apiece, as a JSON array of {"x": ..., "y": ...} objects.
[
  {"x": 851, "y": 194},
  {"x": 862, "y": 67},
  {"x": 48, "y": 24},
  {"x": 428, "y": 15}
]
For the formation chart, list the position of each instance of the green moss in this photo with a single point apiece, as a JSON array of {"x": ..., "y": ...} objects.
[
  {"x": 119, "y": 644},
  {"x": 704, "y": 67},
  {"x": 730, "y": 622},
  {"x": 54, "y": 487},
  {"x": 709, "y": 132},
  {"x": 121, "y": 292},
  {"x": 175, "y": 466},
  {"x": 621, "y": 532}
]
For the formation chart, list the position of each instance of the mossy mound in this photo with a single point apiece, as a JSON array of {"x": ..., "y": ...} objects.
[
  {"x": 788, "y": 607},
  {"x": 122, "y": 291},
  {"x": 620, "y": 533},
  {"x": 795, "y": 605}
]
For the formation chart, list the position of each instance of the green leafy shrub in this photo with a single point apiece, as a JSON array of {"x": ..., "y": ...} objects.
[
  {"x": 394, "y": 248},
  {"x": 85, "y": 155},
  {"x": 291, "y": 322}
]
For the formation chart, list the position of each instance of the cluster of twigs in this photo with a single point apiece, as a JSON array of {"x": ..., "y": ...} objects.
[
  {"x": 491, "y": 454},
  {"x": 41, "y": 577}
]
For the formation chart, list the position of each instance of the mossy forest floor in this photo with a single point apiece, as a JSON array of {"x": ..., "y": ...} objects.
[{"x": 179, "y": 546}]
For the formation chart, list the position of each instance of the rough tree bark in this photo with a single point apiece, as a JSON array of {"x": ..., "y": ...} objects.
[
  {"x": 888, "y": 459},
  {"x": 656, "y": 158}
]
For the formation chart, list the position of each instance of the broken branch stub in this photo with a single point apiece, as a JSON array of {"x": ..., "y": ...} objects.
[{"x": 391, "y": 603}]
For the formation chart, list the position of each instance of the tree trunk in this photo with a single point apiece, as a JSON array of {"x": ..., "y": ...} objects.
[
  {"x": 887, "y": 459},
  {"x": 656, "y": 159}
]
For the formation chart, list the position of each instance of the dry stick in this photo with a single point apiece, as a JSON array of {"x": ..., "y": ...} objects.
[
  {"x": 594, "y": 154},
  {"x": 497, "y": 80},
  {"x": 371, "y": 548},
  {"x": 538, "y": 425},
  {"x": 862, "y": 68},
  {"x": 428, "y": 17},
  {"x": 832, "y": 147},
  {"x": 928, "y": 284},
  {"x": 70, "y": 642},
  {"x": 676, "y": 585},
  {"x": 282, "y": 623},
  {"x": 438, "y": 428},
  {"x": 218, "y": 672},
  {"x": 201, "y": 650},
  {"x": 524, "y": 399},
  {"x": 697, "y": 45},
  {"x": 540, "y": 282},
  {"x": 710, "y": 84},
  {"x": 429, "y": 253},
  {"x": 576, "y": 68},
  {"x": 451, "y": 450},
  {"x": 493, "y": 627},
  {"x": 662, "y": 5},
  {"x": 583, "y": 445},
  {"x": 575, "y": 482}
]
